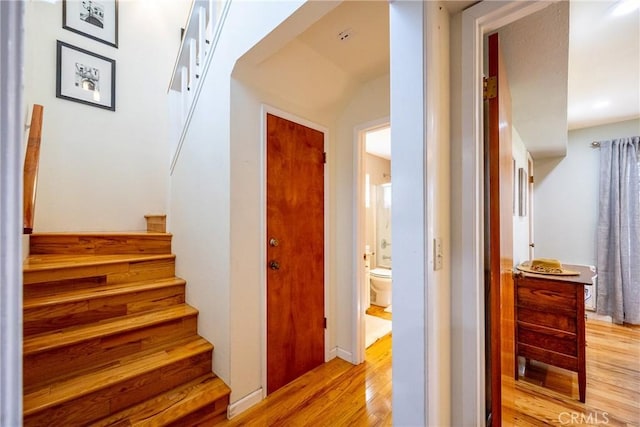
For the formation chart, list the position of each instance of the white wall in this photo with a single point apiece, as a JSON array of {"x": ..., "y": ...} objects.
[
  {"x": 420, "y": 169},
  {"x": 369, "y": 103},
  {"x": 215, "y": 212},
  {"x": 99, "y": 169},
  {"x": 520, "y": 223},
  {"x": 438, "y": 191},
  {"x": 566, "y": 195},
  {"x": 247, "y": 232}
]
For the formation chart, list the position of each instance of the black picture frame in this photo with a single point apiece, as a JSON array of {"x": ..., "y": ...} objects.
[
  {"x": 85, "y": 77},
  {"x": 95, "y": 19}
]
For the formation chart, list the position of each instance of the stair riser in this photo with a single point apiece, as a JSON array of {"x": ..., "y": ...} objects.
[
  {"x": 51, "y": 317},
  {"x": 47, "y": 366},
  {"x": 120, "y": 272},
  {"x": 37, "y": 290},
  {"x": 208, "y": 396},
  {"x": 106, "y": 244},
  {"x": 93, "y": 406},
  {"x": 209, "y": 415}
]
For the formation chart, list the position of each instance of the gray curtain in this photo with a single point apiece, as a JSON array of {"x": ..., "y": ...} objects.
[{"x": 618, "y": 233}]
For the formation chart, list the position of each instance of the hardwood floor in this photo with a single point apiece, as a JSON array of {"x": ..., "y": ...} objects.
[
  {"x": 547, "y": 395},
  {"x": 340, "y": 394},
  {"x": 334, "y": 394}
]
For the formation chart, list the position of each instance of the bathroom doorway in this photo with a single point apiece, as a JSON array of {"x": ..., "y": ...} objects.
[{"x": 375, "y": 225}]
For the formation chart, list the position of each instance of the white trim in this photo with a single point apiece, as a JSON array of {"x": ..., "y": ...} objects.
[
  {"x": 265, "y": 108},
  {"x": 332, "y": 354},
  {"x": 409, "y": 212},
  {"x": 344, "y": 355},
  {"x": 359, "y": 233},
  {"x": 236, "y": 408},
  {"x": 530, "y": 201},
  {"x": 476, "y": 22},
  {"x": 11, "y": 158}
]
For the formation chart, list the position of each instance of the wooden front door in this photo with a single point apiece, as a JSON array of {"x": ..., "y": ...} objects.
[
  {"x": 295, "y": 250},
  {"x": 499, "y": 231}
]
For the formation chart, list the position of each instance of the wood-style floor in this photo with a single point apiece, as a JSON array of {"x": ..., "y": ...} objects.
[
  {"x": 340, "y": 394},
  {"x": 334, "y": 394},
  {"x": 548, "y": 396}
]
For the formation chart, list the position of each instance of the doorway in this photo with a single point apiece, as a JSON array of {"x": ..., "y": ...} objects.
[{"x": 377, "y": 255}]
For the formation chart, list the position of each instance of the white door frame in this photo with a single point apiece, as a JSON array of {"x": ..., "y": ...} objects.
[
  {"x": 468, "y": 385},
  {"x": 11, "y": 158},
  {"x": 359, "y": 219},
  {"x": 530, "y": 188},
  {"x": 263, "y": 232}
]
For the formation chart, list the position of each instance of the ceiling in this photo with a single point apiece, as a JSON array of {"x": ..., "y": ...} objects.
[{"x": 570, "y": 65}]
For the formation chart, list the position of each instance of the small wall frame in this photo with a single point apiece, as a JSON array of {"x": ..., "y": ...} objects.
[
  {"x": 96, "y": 19},
  {"x": 85, "y": 77}
]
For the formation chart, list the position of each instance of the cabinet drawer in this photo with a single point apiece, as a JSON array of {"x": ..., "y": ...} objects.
[
  {"x": 546, "y": 296},
  {"x": 561, "y": 321},
  {"x": 549, "y": 339}
]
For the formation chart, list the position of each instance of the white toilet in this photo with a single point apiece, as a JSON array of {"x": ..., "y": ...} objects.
[{"x": 380, "y": 286}]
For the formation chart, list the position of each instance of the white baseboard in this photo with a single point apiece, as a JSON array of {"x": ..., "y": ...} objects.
[
  {"x": 344, "y": 355},
  {"x": 330, "y": 355},
  {"x": 601, "y": 317},
  {"x": 245, "y": 403}
]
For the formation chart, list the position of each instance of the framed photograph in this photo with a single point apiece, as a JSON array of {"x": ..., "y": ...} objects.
[
  {"x": 96, "y": 19},
  {"x": 522, "y": 192},
  {"x": 514, "y": 185},
  {"x": 85, "y": 77}
]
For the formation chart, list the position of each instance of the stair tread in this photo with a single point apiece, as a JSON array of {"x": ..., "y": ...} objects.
[
  {"x": 74, "y": 334},
  {"x": 102, "y": 233},
  {"x": 72, "y": 388},
  {"x": 172, "y": 405},
  {"x": 100, "y": 292},
  {"x": 50, "y": 262}
]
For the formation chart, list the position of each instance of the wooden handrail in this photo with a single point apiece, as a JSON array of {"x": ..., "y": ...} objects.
[{"x": 31, "y": 165}]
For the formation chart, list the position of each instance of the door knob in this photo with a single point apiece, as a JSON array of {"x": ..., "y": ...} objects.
[
  {"x": 274, "y": 265},
  {"x": 273, "y": 241}
]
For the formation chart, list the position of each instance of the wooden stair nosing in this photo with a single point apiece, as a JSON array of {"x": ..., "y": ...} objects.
[
  {"x": 97, "y": 292},
  {"x": 100, "y": 243},
  {"x": 72, "y": 335},
  {"x": 49, "y": 268},
  {"x": 73, "y": 388},
  {"x": 57, "y": 262},
  {"x": 172, "y": 405}
]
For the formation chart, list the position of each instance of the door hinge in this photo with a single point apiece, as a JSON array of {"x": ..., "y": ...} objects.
[
  {"x": 324, "y": 157},
  {"x": 324, "y": 323},
  {"x": 489, "y": 87},
  {"x": 531, "y": 181}
]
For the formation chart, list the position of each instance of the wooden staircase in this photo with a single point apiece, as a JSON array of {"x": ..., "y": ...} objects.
[{"x": 108, "y": 339}]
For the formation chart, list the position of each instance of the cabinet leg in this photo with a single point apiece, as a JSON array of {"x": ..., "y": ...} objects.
[{"x": 582, "y": 384}]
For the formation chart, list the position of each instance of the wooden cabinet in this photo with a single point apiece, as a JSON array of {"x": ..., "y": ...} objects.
[{"x": 550, "y": 320}]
